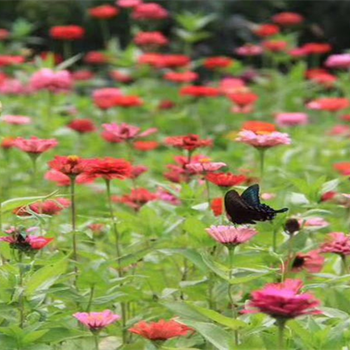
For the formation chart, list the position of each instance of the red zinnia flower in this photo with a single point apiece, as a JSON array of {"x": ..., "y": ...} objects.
[
  {"x": 316, "y": 48},
  {"x": 217, "y": 206},
  {"x": 48, "y": 207},
  {"x": 343, "y": 168},
  {"x": 104, "y": 12},
  {"x": 266, "y": 30},
  {"x": 4, "y": 34},
  {"x": 275, "y": 45},
  {"x": 161, "y": 330},
  {"x": 200, "y": 91},
  {"x": 218, "y": 62},
  {"x": 95, "y": 57},
  {"x": 105, "y": 98},
  {"x": 8, "y": 142},
  {"x": 117, "y": 133},
  {"x": 82, "y": 126},
  {"x": 34, "y": 145},
  {"x": 7, "y": 60},
  {"x": 83, "y": 75},
  {"x": 189, "y": 142},
  {"x": 259, "y": 127},
  {"x": 244, "y": 101},
  {"x": 288, "y": 19},
  {"x": 284, "y": 300},
  {"x": 71, "y": 32},
  {"x": 164, "y": 61},
  {"x": 109, "y": 168},
  {"x": 226, "y": 179}
]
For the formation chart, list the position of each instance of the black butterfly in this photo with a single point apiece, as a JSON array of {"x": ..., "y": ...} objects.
[{"x": 246, "y": 208}]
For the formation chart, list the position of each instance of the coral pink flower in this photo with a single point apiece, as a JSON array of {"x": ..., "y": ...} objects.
[
  {"x": 249, "y": 50},
  {"x": 164, "y": 60},
  {"x": 337, "y": 243},
  {"x": 168, "y": 197},
  {"x": 137, "y": 198},
  {"x": 149, "y": 11},
  {"x": 35, "y": 145},
  {"x": 340, "y": 130},
  {"x": 64, "y": 180},
  {"x": 189, "y": 142},
  {"x": 138, "y": 170},
  {"x": 82, "y": 126},
  {"x": 121, "y": 76},
  {"x": 109, "y": 168},
  {"x": 104, "y": 12},
  {"x": 128, "y": 3},
  {"x": 291, "y": 119},
  {"x": 204, "y": 167},
  {"x": 117, "y": 133},
  {"x": 96, "y": 58},
  {"x": 283, "y": 301},
  {"x": 341, "y": 61},
  {"x": 263, "y": 141},
  {"x": 331, "y": 104},
  {"x": 161, "y": 330},
  {"x": 275, "y": 46},
  {"x": 7, "y": 143},
  {"x": 7, "y": 60},
  {"x": 266, "y": 30},
  {"x": 288, "y": 19},
  {"x": 96, "y": 321},
  {"x": 312, "y": 262},
  {"x": 47, "y": 79},
  {"x": 316, "y": 48},
  {"x": 181, "y": 77},
  {"x": 259, "y": 127},
  {"x": 128, "y": 101},
  {"x": 71, "y": 32},
  {"x": 232, "y": 85},
  {"x": 4, "y": 34},
  {"x": 71, "y": 166},
  {"x": 104, "y": 98},
  {"x": 244, "y": 101},
  {"x": 226, "y": 179},
  {"x": 14, "y": 87},
  {"x": 16, "y": 119},
  {"x": 145, "y": 146},
  {"x": 231, "y": 236}
]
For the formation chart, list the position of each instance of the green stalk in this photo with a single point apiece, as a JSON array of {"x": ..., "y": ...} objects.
[
  {"x": 344, "y": 264},
  {"x": 281, "y": 327},
  {"x": 74, "y": 229},
  {"x": 96, "y": 341},
  {"x": 262, "y": 163},
  {"x": 105, "y": 32}
]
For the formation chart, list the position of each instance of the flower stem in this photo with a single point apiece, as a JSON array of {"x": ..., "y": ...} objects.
[
  {"x": 21, "y": 292},
  {"x": 208, "y": 190},
  {"x": 74, "y": 230},
  {"x": 344, "y": 264},
  {"x": 67, "y": 49},
  {"x": 96, "y": 341},
  {"x": 274, "y": 240},
  {"x": 92, "y": 290},
  {"x": 262, "y": 163},
  {"x": 281, "y": 326},
  {"x": 105, "y": 32},
  {"x": 120, "y": 270},
  {"x": 34, "y": 167}
]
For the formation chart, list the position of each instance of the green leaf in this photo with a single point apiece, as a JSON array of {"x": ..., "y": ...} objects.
[{"x": 46, "y": 276}]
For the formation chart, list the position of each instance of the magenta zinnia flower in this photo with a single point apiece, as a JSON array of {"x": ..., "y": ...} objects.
[
  {"x": 283, "y": 301},
  {"x": 231, "y": 236},
  {"x": 263, "y": 140},
  {"x": 97, "y": 320}
]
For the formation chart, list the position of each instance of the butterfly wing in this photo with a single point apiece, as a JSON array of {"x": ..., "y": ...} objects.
[
  {"x": 238, "y": 211},
  {"x": 251, "y": 195}
]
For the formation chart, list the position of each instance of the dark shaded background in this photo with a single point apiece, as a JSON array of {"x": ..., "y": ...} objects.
[{"x": 327, "y": 20}]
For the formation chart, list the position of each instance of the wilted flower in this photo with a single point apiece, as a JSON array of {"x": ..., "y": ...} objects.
[{"x": 231, "y": 236}]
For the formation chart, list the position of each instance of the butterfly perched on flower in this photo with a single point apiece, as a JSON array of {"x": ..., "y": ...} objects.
[{"x": 246, "y": 208}]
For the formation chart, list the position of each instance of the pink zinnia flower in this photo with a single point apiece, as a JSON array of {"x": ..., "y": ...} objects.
[
  {"x": 47, "y": 79},
  {"x": 249, "y": 50},
  {"x": 117, "y": 133},
  {"x": 231, "y": 236},
  {"x": 264, "y": 140},
  {"x": 312, "y": 262},
  {"x": 341, "y": 61},
  {"x": 204, "y": 167},
  {"x": 105, "y": 98},
  {"x": 283, "y": 301},
  {"x": 16, "y": 119},
  {"x": 291, "y": 119},
  {"x": 128, "y": 3},
  {"x": 35, "y": 145},
  {"x": 337, "y": 243},
  {"x": 96, "y": 321},
  {"x": 316, "y": 222}
]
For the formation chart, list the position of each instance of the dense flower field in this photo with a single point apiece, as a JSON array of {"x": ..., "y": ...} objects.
[{"x": 130, "y": 207}]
